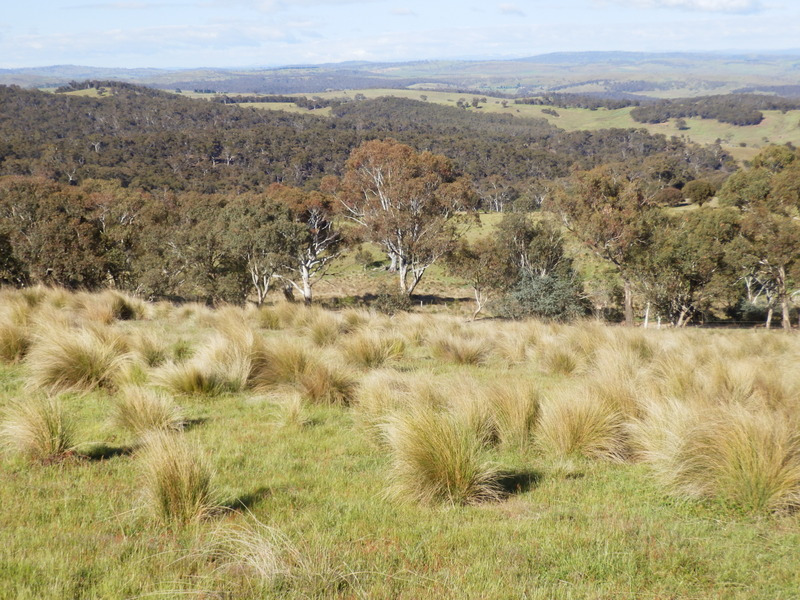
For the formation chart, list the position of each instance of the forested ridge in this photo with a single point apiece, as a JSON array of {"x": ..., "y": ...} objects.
[
  {"x": 149, "y": 139},
  {"x": 173, "y": 197}
]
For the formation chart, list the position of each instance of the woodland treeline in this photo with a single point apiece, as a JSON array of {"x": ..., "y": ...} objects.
[{"x": 176, "y": 198}]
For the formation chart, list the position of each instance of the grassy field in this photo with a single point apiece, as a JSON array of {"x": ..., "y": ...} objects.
[{"x": 582, "y": 461}]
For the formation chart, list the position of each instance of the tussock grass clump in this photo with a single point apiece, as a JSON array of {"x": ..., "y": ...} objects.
[
  {"x": 190, "y": 379},
  {"x": 81, "y": 359},
  {"x": 514, "y": 407},
  {"x": 176, "y": 479},
  {"x": 140, "y": 410},
  {"x": 512, "y": 347},
  {"x": 149, "y": 347},
  {"x": 282, "y": 361},
  {"x": 292, "y": 411},
  {"x": 38, "y": 428},
  {"x": 373, "y": 349},
  {"x": 109, "y": 306},
  {"x": 323, "y": 384},
  {"x": 255, "y": 560},
  {"x": 575, "y": 424},
  {"x": 438, "y": 457},
  {"x": 379, "y": 394},
  {"x": 460, "y": 350},
  {"x": 557, "y": 359},
  {"x": 15, "y": 341},
  {"x": 750, "y": 459},
  {"x": 261, "y": 554},
  {"x": 323, "y": 328}
]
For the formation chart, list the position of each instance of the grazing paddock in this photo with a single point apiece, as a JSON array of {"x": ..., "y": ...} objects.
[{"x": 160, "y": 451}]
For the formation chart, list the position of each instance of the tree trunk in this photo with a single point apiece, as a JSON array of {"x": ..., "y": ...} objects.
[
  {"x": 306, "y": 284},
  {"x": 647, "y": 315},
  {"x": 785, "y": 322},
  {"x": 628, "y": 288},
  {"x": 768, "y": 324},
  {"x": 402, "y": 271}
]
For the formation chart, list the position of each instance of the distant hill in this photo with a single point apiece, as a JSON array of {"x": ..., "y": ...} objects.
[{"x": 614, "y": 74}]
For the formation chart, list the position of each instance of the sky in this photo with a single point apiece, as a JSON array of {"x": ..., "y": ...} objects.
[{"x": 265, "y": 33}]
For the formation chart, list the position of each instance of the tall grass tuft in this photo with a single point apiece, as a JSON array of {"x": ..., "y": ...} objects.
[
  {"x": 189, "y": 379},
  {"x": 373, "y": 349},
  {"x": 176, "y": 479},
  {"x": 575, "y": 424},
  {"x": 750, "y": 459},
  {"x": 323, "y": 328},
  {"x": 323, "y": 384},
  {"x": 140, "y": 410},
  {"x": 437, "y": 457},
  {"x": 460, "y": 350},
  {"x": 38, "y": 428},
  {"x": 515, "y": 408},
  {"x": 109, "y": 306},
  {"x": 555, "y": 358},
  {"x": 76, "y": 359},
  {"x": 15, "y": 341},
  {"x": 149, "y": 347}
]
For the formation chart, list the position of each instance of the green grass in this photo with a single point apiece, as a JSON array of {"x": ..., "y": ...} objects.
[{"x": 304, "y": 488}]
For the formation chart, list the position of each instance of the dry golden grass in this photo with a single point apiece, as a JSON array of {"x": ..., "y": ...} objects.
[
  {"x": 176, "y": 479},
  {"x": 439, "y": 457},
  {"x": 747, "y": 458},
  {"x": 76, "y": 359},
  {"x": 38, "y": 428},
  {"x": 572, "y": 423},
  {"x": 372, "y": 349},
  {"x": 140, "y": 410},
  {"x": 460, "y": 350},
  {"x": 514, "y": 408}
]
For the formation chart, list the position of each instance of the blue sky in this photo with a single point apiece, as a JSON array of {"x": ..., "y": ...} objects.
[{"x": 253, "y": 33}]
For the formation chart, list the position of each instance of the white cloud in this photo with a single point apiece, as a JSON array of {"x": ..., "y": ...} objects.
[
  {"x": 403, "y": 12},
  {"x": 511, "y": 9},
  {"x": 724, "y": 6}
]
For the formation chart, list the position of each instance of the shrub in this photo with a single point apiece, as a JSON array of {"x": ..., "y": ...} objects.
[
  {"x": 437, "y": 457},
  {"x": 548, "y": 297},
  {"x": 390, "y": 303},
  {"x": 139, "y": 410},
  {"x": 38, "y": 428},
  {"x": 177, "y": 481}
]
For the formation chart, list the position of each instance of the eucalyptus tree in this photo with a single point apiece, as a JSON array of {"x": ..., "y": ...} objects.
[{"x": 410, "y": 203}]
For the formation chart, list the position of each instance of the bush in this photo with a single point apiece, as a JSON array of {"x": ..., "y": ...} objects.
[
  {"x": 551, "y": 297},
  {"x": 699, "y": 191},
  {"x": 391, "y": 303}
]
